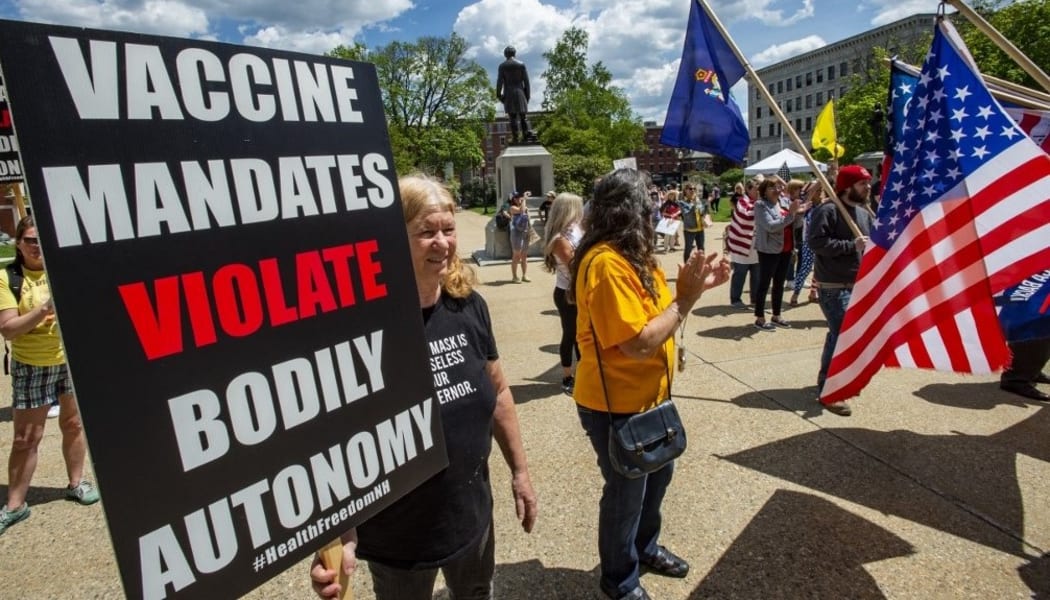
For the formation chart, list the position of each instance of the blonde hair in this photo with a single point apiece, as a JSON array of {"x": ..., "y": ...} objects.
[
  {"x": 565, "y": 210},
  {"x": 422, "y": 195},
  {"x": 795, "y": 185},
  {"x": 671, "y": 195}
]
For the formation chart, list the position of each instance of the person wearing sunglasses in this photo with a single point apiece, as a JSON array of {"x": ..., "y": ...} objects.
[{"x": 38, "y": 377}]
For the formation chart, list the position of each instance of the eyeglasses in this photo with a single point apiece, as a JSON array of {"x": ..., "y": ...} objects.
[{"x": 32, "y": 241}]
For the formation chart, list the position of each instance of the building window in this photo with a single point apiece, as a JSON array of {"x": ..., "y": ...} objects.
[
  {"x": 820, "y": 75},
  {"x": 831, "y": 73},
  {"x": 809, "y": 123},
  {"x": 842, "y": 91},
  {"x": 789, "y": 84},
  {"x": 502, "y": 140},
  {"x": 798, "y": 124},
  {"x": 770, "y": 130},
  {"x": 788, "y": 104},
  {"x": 843, "y": 68},
  {"x": 809, "y": 100},
  {"x": 758, "y": 155},
  {"x": 780, "y": 87},
  {"x": 758, "y": 112},
  {"x": 856, "y": 66},
  {"x": 780, "y": 129},
  {"x": 820, "y": 98},
  {"x": 831, "y": 95},
  {"x": 758, "y": 132},
  {"x": 809, "y": 78},
  {"x": 798, "y": 82},
  {"x": 771, "y": 88}
]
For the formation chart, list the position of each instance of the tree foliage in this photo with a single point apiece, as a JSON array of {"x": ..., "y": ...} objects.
[
  {"x": 589, "y": 121},
  {"x": 437, "y": 101},
  {"x": 1026, "y": 23}
]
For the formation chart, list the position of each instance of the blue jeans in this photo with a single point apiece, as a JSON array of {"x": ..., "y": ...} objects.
[
  {"x": 736, "y": 282},
  {"x": 692, "y": 238},
  {"x": 833, "y": 303},
  {"x": 628, "y": 513},
  {"x": 468, "y": 577}
]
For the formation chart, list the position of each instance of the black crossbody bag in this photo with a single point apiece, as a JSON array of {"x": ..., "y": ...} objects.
[{"x": 646, "y": 441}]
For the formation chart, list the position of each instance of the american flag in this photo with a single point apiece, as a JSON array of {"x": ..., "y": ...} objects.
[
  {"x": 784, "y": 172},
  {"x": 965, "y": 213}
]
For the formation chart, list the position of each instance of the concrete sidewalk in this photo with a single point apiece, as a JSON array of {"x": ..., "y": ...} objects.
[{"x": 935, "y": 488}]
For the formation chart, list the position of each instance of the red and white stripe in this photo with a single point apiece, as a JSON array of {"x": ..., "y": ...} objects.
[
  {"x": 927, "y": 300},
  {"x": 741, "y": 231},
  {"x": 1036, "y": 123}
]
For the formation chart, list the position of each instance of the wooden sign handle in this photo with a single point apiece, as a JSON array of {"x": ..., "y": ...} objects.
[{"x": 332, "y": 558}]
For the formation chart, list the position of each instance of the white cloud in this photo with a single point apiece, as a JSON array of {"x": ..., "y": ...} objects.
[
  {"x": 888, "y": 11},
  {"x": 760, "y": 10},
  {"x": 305, "y": 25},
  {"x": 154, "y": 16},
  {"x": 779, "y": 52}
]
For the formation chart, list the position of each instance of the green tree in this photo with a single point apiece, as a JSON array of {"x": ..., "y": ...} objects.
[
  {"x": 588, "y": 122},
  {"x": 437, "y": 101},
  {"x": 1026, "y": 23}
]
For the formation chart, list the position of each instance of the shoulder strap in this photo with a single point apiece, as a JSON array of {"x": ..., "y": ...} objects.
[
  {"x": 15, "y": 278},
  {"x": 598, "y": 353}
]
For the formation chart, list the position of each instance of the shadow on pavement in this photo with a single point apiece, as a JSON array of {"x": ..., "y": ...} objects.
[
  {"x": 802, "y": 400},
  {"x": 1036, "y": 575},
  {"x": 39, "y": 495},
  {"x": 530, "y": 579},
  {"x": 536, "y": 391},
  {"x": 972, "y": 396},
  {"x": 977, "y": 473},
  {"x": 802, "y": 546}
]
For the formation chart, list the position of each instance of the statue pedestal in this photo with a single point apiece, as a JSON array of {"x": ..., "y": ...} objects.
[
  {"x": 497, "y": 244},
  {"x": 524, "y": 167}
]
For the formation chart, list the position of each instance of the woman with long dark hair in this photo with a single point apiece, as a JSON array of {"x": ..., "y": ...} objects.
[{"x": 627, "y": 321}]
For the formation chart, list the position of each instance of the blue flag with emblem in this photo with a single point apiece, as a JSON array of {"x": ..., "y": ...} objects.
[{"x": 702, "y": 114}]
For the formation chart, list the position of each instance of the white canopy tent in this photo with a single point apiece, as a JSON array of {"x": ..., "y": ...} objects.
[{"x": 795, "y": 162}]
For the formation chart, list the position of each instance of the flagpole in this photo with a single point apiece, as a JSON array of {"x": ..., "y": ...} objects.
[
  {"x": 1004, "y": 44},
  {"x": 828, "y": 188},
  {"x": 1011, "y": 92}
]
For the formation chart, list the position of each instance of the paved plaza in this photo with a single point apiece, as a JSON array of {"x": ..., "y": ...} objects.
[{"x": 936, "y": 487}]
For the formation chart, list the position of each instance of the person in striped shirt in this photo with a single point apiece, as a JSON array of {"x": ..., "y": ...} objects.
[{"x": 739, "y": 245}]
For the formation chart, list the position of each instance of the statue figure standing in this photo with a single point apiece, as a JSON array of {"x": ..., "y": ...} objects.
[{"x": 512, "y": 89}]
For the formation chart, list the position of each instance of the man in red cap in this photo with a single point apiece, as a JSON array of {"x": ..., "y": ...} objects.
[{"x": 837, "y": 255}]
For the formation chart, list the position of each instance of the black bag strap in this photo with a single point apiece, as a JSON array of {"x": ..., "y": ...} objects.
[
  {"x": 15, "y": 279},
  {"x": 598, "y": 352}
]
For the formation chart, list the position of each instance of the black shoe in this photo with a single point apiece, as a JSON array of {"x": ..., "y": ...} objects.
[
  {"x": 568, "y": 384},
  {"x": 1042, "y": 378},
  {"x": 1023, "y": 389},
  {"x": 664, "y": 562},
  {"x": 637, "y": 593}
]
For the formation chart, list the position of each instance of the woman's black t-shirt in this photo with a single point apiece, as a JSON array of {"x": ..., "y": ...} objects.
[{"x": 449, "y": 512}]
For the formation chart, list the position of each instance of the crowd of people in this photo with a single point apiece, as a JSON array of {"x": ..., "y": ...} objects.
[{"x": 617, "y": 349}]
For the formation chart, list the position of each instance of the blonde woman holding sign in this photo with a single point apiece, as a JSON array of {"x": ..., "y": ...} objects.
[{"x": 446, "y": 523}]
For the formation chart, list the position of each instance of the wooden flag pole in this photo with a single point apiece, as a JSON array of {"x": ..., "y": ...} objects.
[
  {"x": 1004, "y": 44},
  {"x": 804, "y": 148},
  {"x": 1002, "y": 90},
  {"x": 332, "y": 558}
]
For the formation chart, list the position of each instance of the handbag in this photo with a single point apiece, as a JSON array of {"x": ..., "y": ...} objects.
[{"x": 647, "y": 441}]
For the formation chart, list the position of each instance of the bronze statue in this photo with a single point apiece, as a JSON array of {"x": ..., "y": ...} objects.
[{"x": 512, "y": 89}]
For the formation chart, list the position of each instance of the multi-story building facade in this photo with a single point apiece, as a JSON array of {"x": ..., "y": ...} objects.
[{"x": 803, "y": 84}]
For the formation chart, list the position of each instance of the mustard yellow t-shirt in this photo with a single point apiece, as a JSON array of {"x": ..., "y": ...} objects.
[
  {"x": 42, "y": 346},
  {"x": 609, "y": 293}
]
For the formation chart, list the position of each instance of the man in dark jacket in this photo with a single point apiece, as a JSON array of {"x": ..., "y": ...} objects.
[
  {"x": 512, "y": 89},
  {"x": 837, "y": 255}
]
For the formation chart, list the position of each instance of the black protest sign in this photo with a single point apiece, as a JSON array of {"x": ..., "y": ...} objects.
[
  {"x": 228, "y": 257},
  {"x": 10, "y": 167}
]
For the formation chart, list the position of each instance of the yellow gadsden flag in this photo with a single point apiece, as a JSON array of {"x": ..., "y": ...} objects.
[{"x": 824, "y": 134}]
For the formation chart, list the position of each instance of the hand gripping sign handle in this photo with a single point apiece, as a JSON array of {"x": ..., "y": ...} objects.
[{"x": 332, "y": 558}]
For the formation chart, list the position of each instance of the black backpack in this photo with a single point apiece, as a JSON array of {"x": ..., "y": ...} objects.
[{"x": 15, "y": 279}]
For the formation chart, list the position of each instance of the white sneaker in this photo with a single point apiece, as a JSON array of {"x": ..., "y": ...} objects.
[{"x": 53, "y": 411}]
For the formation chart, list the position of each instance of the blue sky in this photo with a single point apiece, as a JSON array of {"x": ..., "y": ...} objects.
[{"x": 639, "y": 41}]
